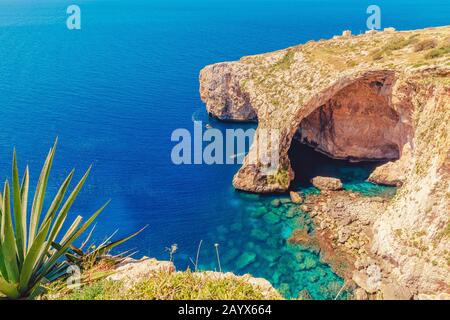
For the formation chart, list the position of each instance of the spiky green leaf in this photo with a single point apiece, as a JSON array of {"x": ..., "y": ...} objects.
[
  {"x": 19, "y": 218},
  {"x": 9, "y": 289},
  {"x": 9, "y": 249},
  {"x": 39, "y": 195}
]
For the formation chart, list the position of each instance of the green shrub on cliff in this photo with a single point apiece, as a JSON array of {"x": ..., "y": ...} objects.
[
  {"x": 425, "y": 45},
  {"x": 286, "y": 62},
  {"x": 30, "y": 244},
  {"x": 445, "y": 233},
  {"x": 393, "y": 44},
  {"x": 438, "y": 52},
  {"x": 281, "y": 177}
]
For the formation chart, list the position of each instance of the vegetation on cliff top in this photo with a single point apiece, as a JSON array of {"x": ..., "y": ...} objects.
[
  {"x": 169, "y": 286},
  {"x": 31, "y": 247},
  {"x": 287, "y": 76}
]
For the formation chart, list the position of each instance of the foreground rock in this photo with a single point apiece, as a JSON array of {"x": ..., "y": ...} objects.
[
  {"x": 379, "y": 96},
  {"x": 260, "y": 283},
  {"x": 132, "y": 271},
  {"x": 327, "y": 183}
]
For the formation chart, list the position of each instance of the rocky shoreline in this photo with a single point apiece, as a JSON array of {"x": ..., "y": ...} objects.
[
  {"x": 375, "y": 96},
  {"x": 131, "y": 271},
  {"x": 343, "y": 235}
]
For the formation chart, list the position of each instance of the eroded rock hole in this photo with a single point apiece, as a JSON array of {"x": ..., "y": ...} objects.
[
  {"x": 308, "y": 163},
  {"x": 357, "y": 128}
]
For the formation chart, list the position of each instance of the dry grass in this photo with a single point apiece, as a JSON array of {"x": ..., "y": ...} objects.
[
  {"x": 425, "y": 45},
  {"x": 170, "y": 286}
]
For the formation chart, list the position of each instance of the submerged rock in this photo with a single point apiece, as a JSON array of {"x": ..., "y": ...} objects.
[
  {"x": 301, "y": 237},
  {"x": 299, "y": 257},
  {"x": 313, "y": 278},
  {"x": 284, "y": 289},
  {"x": 271, "y": 218},
  {"x": 259, "y": 212},
  {"x": 275, "y": 203},
  {"x": 222, "y": 229},
  {"x": 310, "y": 263},
  {"x": 304, "y": 295},
  {"x": 259, "y": 234},
  {"x": 245, "y": 260},
  {"x": 278, "y": 211},
  {"x": 230, "y": 255},
  {"x": 271, "y": 255},
  {"x": 274, "y": 242},
  {"x": 293, "y": 212}
]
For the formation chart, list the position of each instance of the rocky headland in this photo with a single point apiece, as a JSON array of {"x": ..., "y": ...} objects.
[{"x": 376, "y": 96}]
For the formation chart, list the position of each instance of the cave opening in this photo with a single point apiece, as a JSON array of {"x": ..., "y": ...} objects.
[
  {"x": 349, "y": 135},
  {"x": 308, "y": 163}
]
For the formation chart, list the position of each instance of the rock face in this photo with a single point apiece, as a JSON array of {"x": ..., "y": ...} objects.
[
  {"x": 377, "y": 96},
  {"x": 394, "y": 291},
  {"x": 130, "y": 270},
  {"x": 357, "y": 123},
  {"x": 327, "y": 183},
  {"x": 223, "y": 94}
]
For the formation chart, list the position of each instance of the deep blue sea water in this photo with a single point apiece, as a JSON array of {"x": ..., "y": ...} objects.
[{"x": 114, "y": 91}]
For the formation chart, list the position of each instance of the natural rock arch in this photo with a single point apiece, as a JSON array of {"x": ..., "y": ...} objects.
[
  {"x": 286, "y": 87},
  {"x": 378, "y": 129},
  {"x": 358, "y": 123}
]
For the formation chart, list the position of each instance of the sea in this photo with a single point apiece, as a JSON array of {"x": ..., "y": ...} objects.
[{"x": 114, "y": 91}]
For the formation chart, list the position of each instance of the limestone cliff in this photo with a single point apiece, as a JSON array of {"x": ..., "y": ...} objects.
[{"x": 376, "y": 96}]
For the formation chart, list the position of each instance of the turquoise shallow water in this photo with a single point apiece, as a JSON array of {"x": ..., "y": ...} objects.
[
  {"x": 254, "y": 238},
  {"x": 262, "y": 248},
  {"x": 114, "y": 92}
]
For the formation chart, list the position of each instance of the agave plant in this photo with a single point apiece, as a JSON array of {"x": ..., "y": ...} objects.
[
  {"x": 93, "y": 254},
  {"x": 31, "y": 244}
]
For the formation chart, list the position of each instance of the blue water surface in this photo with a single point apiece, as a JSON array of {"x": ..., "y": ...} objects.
[{"x": 114, "y": 91}]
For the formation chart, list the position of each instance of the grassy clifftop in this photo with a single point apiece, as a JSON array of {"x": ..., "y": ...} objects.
[
  {"x": 308, "y": 67},
  {"x": 150, "y": 279},
  {"x": 172, "y": 286}
]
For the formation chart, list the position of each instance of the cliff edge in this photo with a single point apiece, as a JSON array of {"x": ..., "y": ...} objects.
[{"x": 376, "y": 96}]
